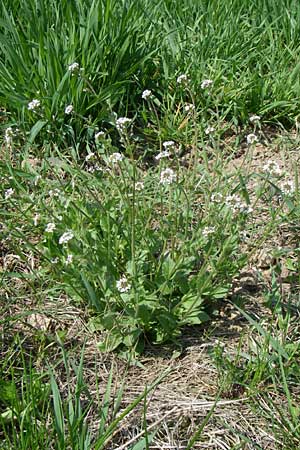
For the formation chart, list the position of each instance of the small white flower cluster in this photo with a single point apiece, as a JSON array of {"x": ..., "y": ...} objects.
[
  {"x": 121, "y": 124},
  {"x": 252, "y": 139},
  {"x": 254, "y": 118},
  {"x": 9, "y": 193},
  {"x": 209, "y": 130},
  {"x": 8, "y": 136},
  {"x": 139, "y": 186},
  {"x": 123, "y": 285},
  {"x": 163, "y": 154},
  {"x": 183, "y": 79},
  {"x": 288, "y": 187},
  {"x": 116, "y": 158},
  {"x": 146, "y": 94},
  {"x": 69, "y": 109},
  {"x": 167, "y": 176},
  {"x": 50, "y": 227},
  {"x": 188, "y": 107},
  {"x": 237, "y": 205},
  {"x": 34, "y": 105},
  {"x": 208, "y": 230},
  {"x": 69, "y": 260},
  {"x": 95, "y": 168},
  {"x": 217, "y": 197},
  {"x": 66, "y": 237},
  {"x": 54, "y": 192},
  {"x": 169, "y": 145},
  {"x": 206, "y": 84},
  {"x": 272, "y": 168},
  {"x": 74, "y": 67}
]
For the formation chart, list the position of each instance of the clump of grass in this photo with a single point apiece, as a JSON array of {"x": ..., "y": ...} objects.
[
  {"x": 264, "y": 367},
  {"x": 37, "y": 409},
  {"x": 65, "y": 68}
]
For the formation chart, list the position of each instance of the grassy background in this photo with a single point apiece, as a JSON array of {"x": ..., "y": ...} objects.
[{"x": 250, "y": 50}]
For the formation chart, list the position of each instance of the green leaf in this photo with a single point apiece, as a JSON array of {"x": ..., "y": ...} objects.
[
  {"x": 35, "y": 130},
  {"x": 58, "y": 409},
  {"x": 142, "y": 444},
  {"x": 217, "y": 292},
  {"x": 144, "y": 312},
  {"x": 94, "y": 301},
  {"x": 110, "y": 343},
  {"x": 195, "y": 318},
  {"x": 8, "y": 415},
  {"x": 168, "y": 267},
  {"x": 132, "y": 337},
  {"x": 8, "y": 392},
  {"x": 290, "y": 264}
]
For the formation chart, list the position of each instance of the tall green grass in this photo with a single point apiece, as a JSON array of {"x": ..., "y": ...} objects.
[
  {"x": 250, "y": 50},
  {"x": 38, "y": 410}
]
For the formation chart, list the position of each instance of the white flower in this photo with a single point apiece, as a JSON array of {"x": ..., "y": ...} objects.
[
  {"x": 163, "y": 154},
  {"x": 139, "y": 186},
  {"x": 99, "y": 135},
  {"x": 288, "y": 187},
  {"x": 252, "y": 138},
  {"x": 217, "y": 197},
  {"x": 235, "y": 203},
  {"x": 167, "y": 176},
  {"x": 9, "y": 134},
  {"x": 98, "y": 168},
  {"x": 37, "y": 179},
  {"x": 34, "y": 104},
  {"x": 182, "y": 79},
  {"x": 146, "y": 94},
  {"x": 89, "y": 156},
  {"x": 50, "y": 227},
  {"x": 254, "y": 118},
  {"x": 169, "y": 145},
  {"x": 116, "y": 157},
  {"x": 121, "y": 123},
  {"x": 54, "y": 192},
  {"x": 74, "y": 67},
  {"x": 69, "y": 109},
  {"x": 54, "y": 260},
  {"x": 209, "y": 130},
  {"x": 69, "y": 259},
  {"x": 66, "y": 237},
  {"x": 95, "y": 168},
  {"x": 272, "y": 167},
  {"x": 208, "y": 230},
  {"x": 123, "y": 285},
  {"x": 206, "y": 83},
  {"x": 8, "y": 193},
  {"x": 189, "y": 107},
  {"x": 36, "y": 219}
]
